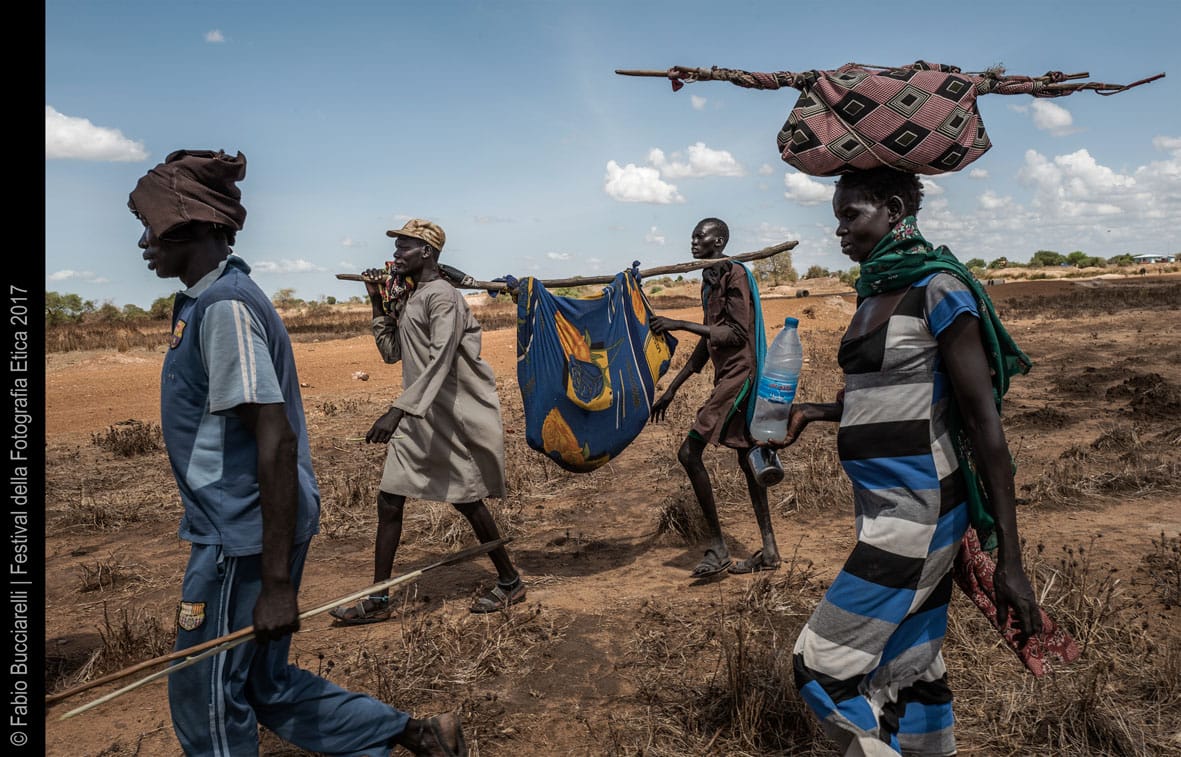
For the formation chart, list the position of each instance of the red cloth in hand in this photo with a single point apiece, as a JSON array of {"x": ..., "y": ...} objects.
[{"x": 973, "y": 572}]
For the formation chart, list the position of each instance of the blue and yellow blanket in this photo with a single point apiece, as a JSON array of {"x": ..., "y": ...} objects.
[{"x": 587, "y": 369}]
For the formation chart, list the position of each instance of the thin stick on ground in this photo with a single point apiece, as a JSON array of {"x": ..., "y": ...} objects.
[{"x": 198, "y": 652}]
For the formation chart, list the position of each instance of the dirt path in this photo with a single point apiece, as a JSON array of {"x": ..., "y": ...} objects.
[{"x": 590, "y": 547}]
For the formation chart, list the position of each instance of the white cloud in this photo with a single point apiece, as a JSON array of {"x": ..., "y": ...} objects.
[
  {"x": 559, "y": 256},
  {"x": 1049, "y": 117},
  {"x": 1167, "y": 144},
  {"x": 632, "y": 183},
  {"x": 70, "y": 137},
  {"x": 350, "y": 242},
  {"x": 1065, "y": 202},
  {"x": 214, "y": 36},
  {"x": 1075, "y": 185},
  {"x": 702, "y": 161},
  {"x": 286, "y": 266},
  {"x": 769, "y": 234},
  {"x": 806, "y": 191},
  {"x": 697, "y": 101},
  {"x": 654, "y": 236},
  {"x": 978, "y": 173},
  {"x": 766, "y": 170},
  {"x": 992, "y": 201},
  {"x": 930, "y": 188}
]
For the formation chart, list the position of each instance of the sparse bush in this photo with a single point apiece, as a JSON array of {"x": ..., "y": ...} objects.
[
  {"x": 130, "y": 638},
  {"x": 129, "y": 438},
  {"x": 1163, "y": 565}
]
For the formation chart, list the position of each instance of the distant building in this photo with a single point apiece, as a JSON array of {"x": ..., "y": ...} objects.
[{"x": 1149, "y": 257}]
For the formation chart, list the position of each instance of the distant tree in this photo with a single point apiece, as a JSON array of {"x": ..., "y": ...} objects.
[
  {"x": 330, "y": 300},
  {"x": 1077, "y": 258},
  {"x": 355, "y": 300},
  {"x": 133, "y": 312},
  {"x": 850, "y": 276},
  {"x": 817, "y": 272},
  {"x": 776, "y": 269},
  {"x": 1001, "y": 262},
  {"x": 286, "y": 299},
  {"x": 1124, "y": 259},
  {"x": 1046, "y": 258},
  {"x": 107, "y": 313},
  {"x": 60, "y": 308},
  {"x": 161, "y": 308},
  {"x": 976, "y": 263}
]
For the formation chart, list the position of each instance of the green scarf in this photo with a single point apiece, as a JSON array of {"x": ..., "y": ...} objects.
[{"x": 903, "y": 257}]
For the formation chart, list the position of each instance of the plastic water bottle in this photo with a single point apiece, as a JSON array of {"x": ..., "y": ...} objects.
[{"x": 777, "y": 383}]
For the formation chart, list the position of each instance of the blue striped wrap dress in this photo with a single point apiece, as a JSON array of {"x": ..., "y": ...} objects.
[{"x": 868, "y": 661}]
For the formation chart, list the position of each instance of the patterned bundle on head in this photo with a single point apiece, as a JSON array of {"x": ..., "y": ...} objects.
[{"x": 922, "y": 118}]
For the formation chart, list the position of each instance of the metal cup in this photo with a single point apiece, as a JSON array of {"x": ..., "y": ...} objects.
[{"x": 765, "y": 465}]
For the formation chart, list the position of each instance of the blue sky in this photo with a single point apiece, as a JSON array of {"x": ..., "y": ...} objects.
[{"x": 505, "y": 123}]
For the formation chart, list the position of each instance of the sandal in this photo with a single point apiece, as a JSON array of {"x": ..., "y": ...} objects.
[
  {"x": 754, "y": 564},
  {"x": 500, "y": 597},
  {"x": 436, "y": 724},
  {"x": 367, "y": 610},
  {"x": 711, "y": 565}
]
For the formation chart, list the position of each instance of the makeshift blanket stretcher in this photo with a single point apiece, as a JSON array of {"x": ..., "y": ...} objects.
[{"x": 587, "y": 369}]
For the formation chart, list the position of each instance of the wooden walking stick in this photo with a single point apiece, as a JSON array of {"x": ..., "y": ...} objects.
[
  {"x": 500, "y": 286},
  {"x": 197, "y": 652}
]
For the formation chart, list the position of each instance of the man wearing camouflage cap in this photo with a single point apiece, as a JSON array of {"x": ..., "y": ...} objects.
[{"x": 444, "y": 434}]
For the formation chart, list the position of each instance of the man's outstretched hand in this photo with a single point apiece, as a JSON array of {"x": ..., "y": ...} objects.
[
  {"x": 660, "y": 325},
  {"x": 660, "y": 407},
  {"x": 384, "y": 427}
]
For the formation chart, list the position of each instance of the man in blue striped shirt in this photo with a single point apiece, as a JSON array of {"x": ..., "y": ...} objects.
[{"x": 233, "y": 423}]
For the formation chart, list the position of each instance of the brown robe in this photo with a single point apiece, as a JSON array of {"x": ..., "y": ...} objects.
[{"x": 730, "y": 346}]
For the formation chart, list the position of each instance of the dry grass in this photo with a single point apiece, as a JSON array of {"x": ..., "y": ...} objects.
[
  {"x": 131, "y": 637},
  {"x": 89, "y": 489},
  {"x": 720, "y": 681},
  {"x": 101, "y": 508},
  {"x": 1121, "y": 462},
  {"x": 129, "y": 438},
  {"x": 105, "y": 575},
  {"x": 432, "y": 660},
  {"x": 1163, "y": 565},
  {"x": 1085, "y": 302},
  {"x": 1120, "y": 698}
]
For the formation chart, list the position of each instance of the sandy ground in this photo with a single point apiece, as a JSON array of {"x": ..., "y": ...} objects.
[{"x": 588, "y": 546}]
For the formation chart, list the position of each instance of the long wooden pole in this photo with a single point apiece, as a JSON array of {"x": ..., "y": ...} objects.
[
  {"x": 500, "y": 286},
  {"x": 1063, "y": 85},
  {"x": 198, "y": 652}
]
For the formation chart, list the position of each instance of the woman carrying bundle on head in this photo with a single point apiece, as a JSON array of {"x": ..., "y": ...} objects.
[{"x": 925, "y": 360}]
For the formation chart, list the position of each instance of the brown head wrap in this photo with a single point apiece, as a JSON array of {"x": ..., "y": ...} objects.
[{"x": 191, "y": 185}]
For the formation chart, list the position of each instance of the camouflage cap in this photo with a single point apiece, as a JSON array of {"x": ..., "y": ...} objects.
[{"x": 418, "y": 228}]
